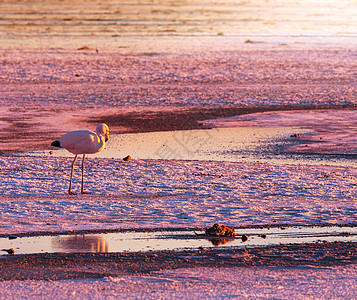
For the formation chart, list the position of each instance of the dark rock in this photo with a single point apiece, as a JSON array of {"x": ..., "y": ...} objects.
[
  {"x": 127, "y": 158},
  {"x": 218, "y": 230},
  {"x": 244, "y": 238}
]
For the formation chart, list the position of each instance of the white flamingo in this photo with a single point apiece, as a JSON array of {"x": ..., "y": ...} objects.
[{"x": 83, "y": 142}]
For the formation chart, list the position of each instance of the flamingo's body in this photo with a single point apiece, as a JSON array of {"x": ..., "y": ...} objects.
[{"x": 83, "y": 142}]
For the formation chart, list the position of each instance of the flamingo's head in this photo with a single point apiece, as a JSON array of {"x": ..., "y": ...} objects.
[{"x": 103, "y": 129}]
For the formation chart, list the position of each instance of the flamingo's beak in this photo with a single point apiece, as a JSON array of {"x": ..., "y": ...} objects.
[{"x": 107, "y": 136}]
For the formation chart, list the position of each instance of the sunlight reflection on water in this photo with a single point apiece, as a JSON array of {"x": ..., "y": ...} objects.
[
  {"x": 175, "y": 240},
  {"x": 178, "y": 18}
]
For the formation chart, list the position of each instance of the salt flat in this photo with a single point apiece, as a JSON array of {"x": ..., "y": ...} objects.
[{"x": 71, "y": 69}]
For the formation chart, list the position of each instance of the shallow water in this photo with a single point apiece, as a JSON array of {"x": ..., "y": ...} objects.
[
  {"x": 224, "y": 144},
  {"x": 325, "y": 137},
  {"x": 175, "y": 240},
  {"x": 178, "y": 18}
]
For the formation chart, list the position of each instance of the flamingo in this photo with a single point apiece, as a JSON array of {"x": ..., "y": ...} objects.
[{"x": 83, "y": 142}]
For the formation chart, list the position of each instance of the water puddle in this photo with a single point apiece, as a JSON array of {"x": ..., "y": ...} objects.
[{"x": 173, "y": 240}]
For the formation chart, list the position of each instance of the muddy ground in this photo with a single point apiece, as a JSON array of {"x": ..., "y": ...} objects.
[{"x": 96, "y": 265}]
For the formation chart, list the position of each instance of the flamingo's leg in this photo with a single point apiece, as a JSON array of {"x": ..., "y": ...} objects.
[
  {"x": 70, "y": 182},
  {"x": 82, "y": 188}
]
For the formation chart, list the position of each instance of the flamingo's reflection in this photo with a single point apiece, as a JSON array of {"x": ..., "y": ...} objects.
[
  {"x": 220, "y": 241},
  {"x": 80, "y": 243}
]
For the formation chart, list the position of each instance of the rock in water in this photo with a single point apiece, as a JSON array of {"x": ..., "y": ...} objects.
[{"x": 220, "y": 230}]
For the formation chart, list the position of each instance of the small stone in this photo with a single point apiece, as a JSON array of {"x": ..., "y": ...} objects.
[
  {"x": 127, "y": 158},
  {"x": 51, "y": 152},
  {"x": 244, "y": 238},
  {"x": 263, "y": 236},
  {"x": 295, "y": 135},
  {"x": 84, "y": 48}
]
